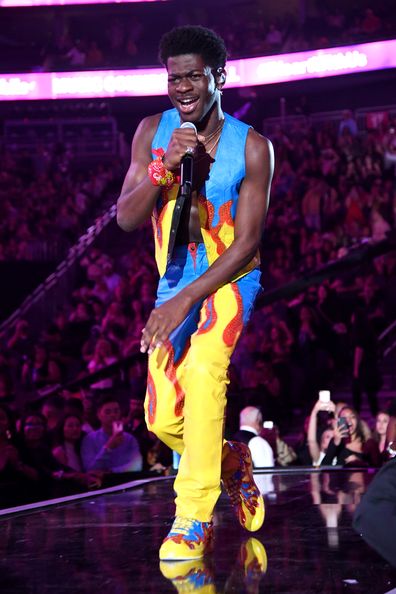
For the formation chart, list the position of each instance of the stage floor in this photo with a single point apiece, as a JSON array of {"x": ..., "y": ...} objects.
[{"x": 109, "y": 544}]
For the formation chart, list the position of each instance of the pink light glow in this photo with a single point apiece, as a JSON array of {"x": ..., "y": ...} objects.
[
  {"x": 14, "y": 3},
  {"x": 153, "y": 81}
]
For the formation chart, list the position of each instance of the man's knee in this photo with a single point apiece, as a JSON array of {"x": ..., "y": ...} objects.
[{"x": 163, "y": 428}]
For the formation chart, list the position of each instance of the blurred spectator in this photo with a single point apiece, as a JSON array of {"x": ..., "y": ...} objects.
[
  {"x": 75, "y": 56},
  {"x": 14, "y": 474},
  {"x": 389, "y": 145},
  {"x": 67, "y": 453},
  {"x": 378, "y": 442},
  {"x": 41, "y": 370},
  {"x": 102, "y": 357},
  {"x": 379, "y": 226},
  {"x": 110, "y": 448},
  {"x": 348, "y": 123},
  {"x": 371, "y": 23},
  {"x": 94, "y": 56},
  {"x": 284, "y": 454},
  {"x": 89, "y": 417},
  {"x": 319, "y": 436},
  {"x": 273, "y": 37},
  {"x": 311, "y": 205},
  {"x": 251, "y": 424},
  {"x": 53, "y": 409},
  {"x": 34, "y": 447},
  {"x": 348, "y": 446},
  {"x": 158, "y": 458}
]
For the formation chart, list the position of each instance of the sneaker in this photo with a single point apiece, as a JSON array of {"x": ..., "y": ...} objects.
[
  {"x": 253, "y": 559},
  {"x": 239, "y": 484},
  {"x": 187, "y": 539},
  {"x": 189, "y": 576}
]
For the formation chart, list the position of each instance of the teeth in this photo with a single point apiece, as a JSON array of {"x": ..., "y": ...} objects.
[{"x": 187, "y": 101}]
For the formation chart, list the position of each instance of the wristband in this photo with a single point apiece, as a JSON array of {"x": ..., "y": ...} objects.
[{"x": 158, "y": 173}]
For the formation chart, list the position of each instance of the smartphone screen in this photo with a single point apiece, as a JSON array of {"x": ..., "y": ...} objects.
[
  {"x": 342, "y": 423},
  {"x": 324, "y": 395},
  {"x": 117, "y": 426}
]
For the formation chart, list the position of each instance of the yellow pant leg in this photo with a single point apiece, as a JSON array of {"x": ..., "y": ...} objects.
[
  {"x": 165, "y": 398},
  {"x": 204, "y": 379}
]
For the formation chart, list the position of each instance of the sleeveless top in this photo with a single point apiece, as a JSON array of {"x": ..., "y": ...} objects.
[{"x": 217, "y": 199}]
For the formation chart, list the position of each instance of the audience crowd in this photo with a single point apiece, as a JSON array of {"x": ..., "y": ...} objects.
[
  {"x": 87, "y": 40},
  {"x": 45, "y": 202},
  {"x": 333, "y": 190}
]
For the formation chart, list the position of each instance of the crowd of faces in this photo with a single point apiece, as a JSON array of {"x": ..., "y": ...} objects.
[{"x": 84, "y": 40}]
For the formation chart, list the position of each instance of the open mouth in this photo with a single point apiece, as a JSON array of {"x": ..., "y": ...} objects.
[{"x": 188, "y": 104}]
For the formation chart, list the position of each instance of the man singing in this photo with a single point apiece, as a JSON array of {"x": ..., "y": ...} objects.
[{"x": 208, "y": 262}]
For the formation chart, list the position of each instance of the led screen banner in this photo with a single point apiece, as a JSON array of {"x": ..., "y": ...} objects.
[{"x": 241, "y": 73}]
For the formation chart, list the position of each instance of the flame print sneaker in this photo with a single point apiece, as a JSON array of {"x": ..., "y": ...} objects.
[
  {"x": 253, "y": 560},
  {"x": 238, "y": 481},
  {"x": 187, "y": 539},
  {"x": 189, "y": 576}
]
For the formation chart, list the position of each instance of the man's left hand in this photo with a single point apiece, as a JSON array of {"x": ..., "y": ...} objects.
[{"x": 163, "y": 320}]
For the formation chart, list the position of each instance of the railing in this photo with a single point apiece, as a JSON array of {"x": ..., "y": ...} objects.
[{"x": 48, "y": 297}]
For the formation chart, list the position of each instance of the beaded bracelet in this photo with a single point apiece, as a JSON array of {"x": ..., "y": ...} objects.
[{"x": 158, "y": 173}]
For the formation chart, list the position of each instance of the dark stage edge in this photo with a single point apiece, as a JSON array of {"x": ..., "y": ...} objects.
[{"x": 109, "y": 543}]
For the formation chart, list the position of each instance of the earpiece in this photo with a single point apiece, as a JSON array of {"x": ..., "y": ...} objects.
[{"x": 220, "y": 76}]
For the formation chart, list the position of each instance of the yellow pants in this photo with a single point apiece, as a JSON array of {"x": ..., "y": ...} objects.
[{"x": 188, "y": 377}]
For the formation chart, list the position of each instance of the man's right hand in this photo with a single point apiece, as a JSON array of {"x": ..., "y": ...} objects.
[
  {"x": 181, "y": 140},
  {"x": 115, "y": 440}
]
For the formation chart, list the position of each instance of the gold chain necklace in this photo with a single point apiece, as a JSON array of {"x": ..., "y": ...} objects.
[
  {"x": 213, "y": 134},
  {"x": 216, "y": 142}
]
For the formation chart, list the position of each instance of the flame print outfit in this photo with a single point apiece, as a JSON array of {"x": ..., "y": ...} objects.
[{"x": 188, "y": 376}]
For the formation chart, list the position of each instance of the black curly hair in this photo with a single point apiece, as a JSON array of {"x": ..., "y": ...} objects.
[{"x": 193, "y": 39}]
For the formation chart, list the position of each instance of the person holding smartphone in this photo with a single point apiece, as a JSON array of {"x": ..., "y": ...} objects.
[
  {"x": 110, "y": 448},
  {"x": 347, "y": 446},
  {"x": 319, "y": 435}
]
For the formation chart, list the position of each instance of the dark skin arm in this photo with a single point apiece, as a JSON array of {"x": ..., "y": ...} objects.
[
  {"x": 138, "y": 195},
  {"x": 252, "y": 208}
]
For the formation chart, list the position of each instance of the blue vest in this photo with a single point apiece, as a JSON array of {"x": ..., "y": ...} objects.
[{"x": 217, "y": 199}]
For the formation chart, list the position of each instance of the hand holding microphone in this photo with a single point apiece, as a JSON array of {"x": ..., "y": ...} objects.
[
  {"x": 184, "y": 141},
  {"x": 187, "y": 165}
]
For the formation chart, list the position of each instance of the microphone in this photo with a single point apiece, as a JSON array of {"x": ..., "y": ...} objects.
[
  {"x": 189, "y": 125},
  {"x": 187, "y": 166}
]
